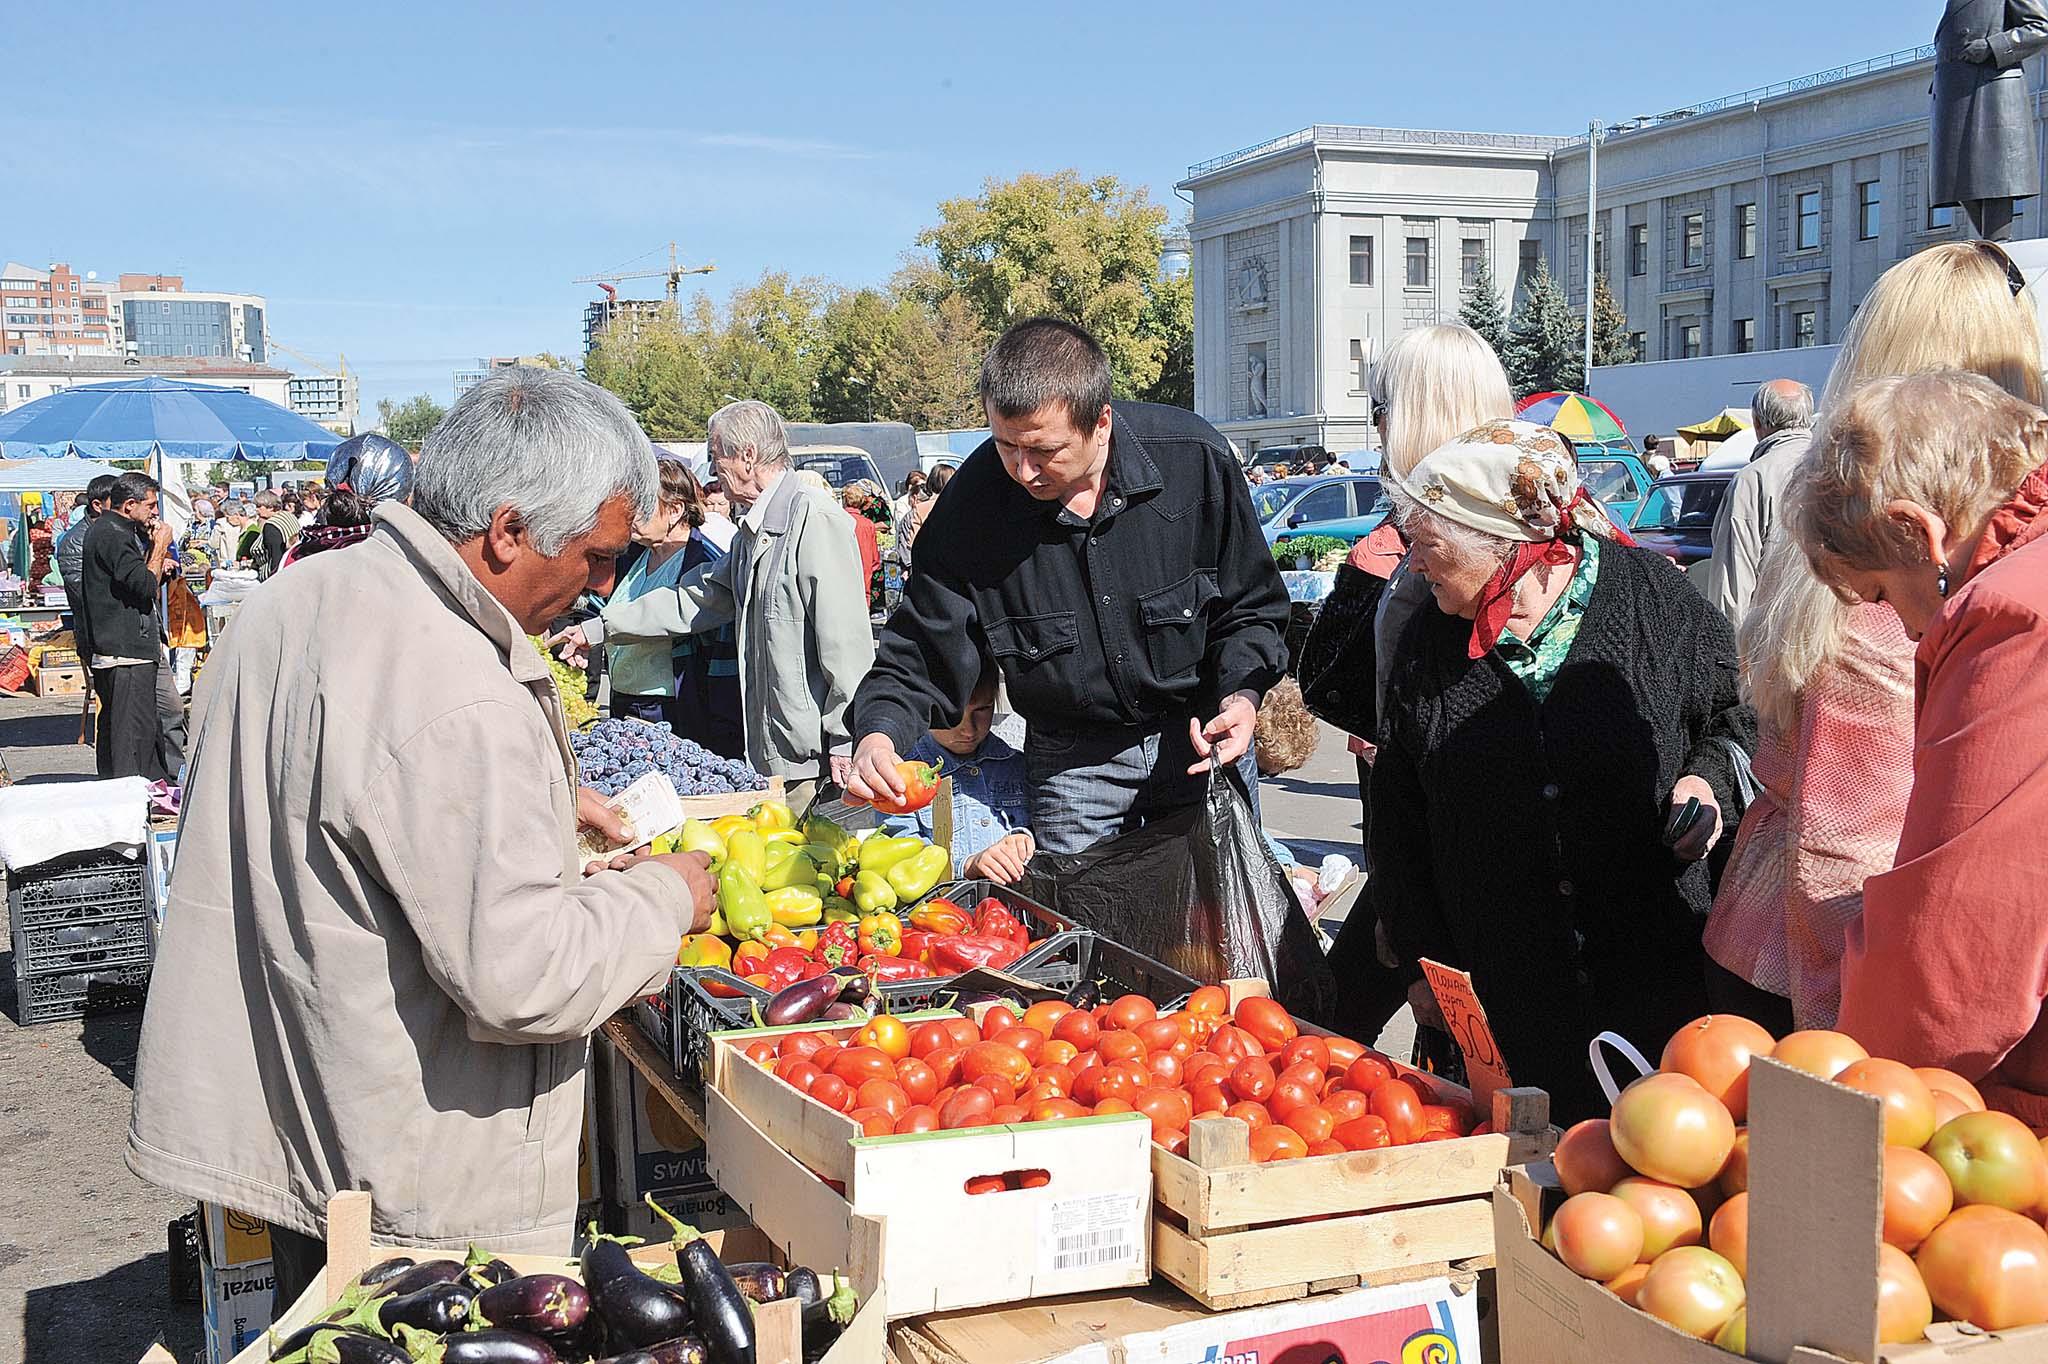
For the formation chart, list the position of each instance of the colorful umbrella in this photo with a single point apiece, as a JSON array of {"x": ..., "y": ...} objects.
[{"x": 1585, "y": 420}]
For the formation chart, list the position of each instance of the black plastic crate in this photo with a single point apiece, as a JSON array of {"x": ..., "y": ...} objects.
[
  {"x": 83, "y": 944},
  {"x": 46, "y": 999},
  {"x": 95, "y": 885}
]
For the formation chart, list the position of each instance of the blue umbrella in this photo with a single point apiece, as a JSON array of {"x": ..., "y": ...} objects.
[{"x": 173, "y": 418}]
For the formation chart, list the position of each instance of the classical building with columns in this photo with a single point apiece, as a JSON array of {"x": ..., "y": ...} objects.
[{"x": 1748, "y": 223}]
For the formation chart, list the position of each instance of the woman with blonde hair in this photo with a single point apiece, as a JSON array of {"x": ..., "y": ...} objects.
[
  {"x": 1434, "y": 383},
  {"x": 1833, "y": 683},
  {"x": 1931, "y": 493}
]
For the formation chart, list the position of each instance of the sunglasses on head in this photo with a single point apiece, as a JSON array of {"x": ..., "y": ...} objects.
[{"x": 2013, "y": 278}]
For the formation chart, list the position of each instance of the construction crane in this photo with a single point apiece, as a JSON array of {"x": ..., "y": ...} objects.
[
  {"x": 340, "y": 370},
  {"x": 673, "y": 274}
]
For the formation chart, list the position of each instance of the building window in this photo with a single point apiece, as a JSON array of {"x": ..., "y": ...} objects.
[
  {"x": 1803, "y": 330},
  {"x": 1361, "y": 260},
  {"x": 21, "y": 390},
  {"x": 1941, "y": 219},
  {"x": 1695, "y": 240},
  {"x": 1358, "y": 366},
  {"x": 1809, "y": 221},
  {"x": 1869, "y": 210},
  {"x": 1471, "y": 260},
  {"x": 1418, "y": 262},
  {"x": 1639, "y": 250},
  {"x": 1531, "y": 252},
  {"x": 1636, "y": 343},
  {"x": 1689, "y": 341},
  {"x": 1745, "y": 335}
]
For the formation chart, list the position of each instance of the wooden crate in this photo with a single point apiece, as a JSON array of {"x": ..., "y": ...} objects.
[
  {"x": 1234, "y": 1234},
  {"x": 777, "y": 1326},
  {"x": 904, "y": 1216},
  {"x": 730, "y": 803}
]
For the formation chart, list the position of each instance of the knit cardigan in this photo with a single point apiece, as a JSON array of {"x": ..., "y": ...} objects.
[{"x": 1523, "y": 842}]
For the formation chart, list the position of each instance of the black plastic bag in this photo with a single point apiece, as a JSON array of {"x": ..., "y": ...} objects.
[{"x": 1197, "y": 890}]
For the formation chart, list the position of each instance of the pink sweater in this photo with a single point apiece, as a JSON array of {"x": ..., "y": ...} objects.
[
  {"x": 1949, "y": 965},
  {"x": 1833, "y": 802}
]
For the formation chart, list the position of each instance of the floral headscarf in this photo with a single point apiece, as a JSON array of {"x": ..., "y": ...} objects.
[{"x": 1516, "y": 481}]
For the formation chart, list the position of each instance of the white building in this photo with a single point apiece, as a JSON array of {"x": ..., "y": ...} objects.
[
  {"x": 1754, "y": 221},
  {"x": 25, "y": 378},
  {"x": 329, "y": 399}
]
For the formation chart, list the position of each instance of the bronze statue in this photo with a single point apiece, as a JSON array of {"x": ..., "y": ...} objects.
[{"x": 1983, "y": 139}]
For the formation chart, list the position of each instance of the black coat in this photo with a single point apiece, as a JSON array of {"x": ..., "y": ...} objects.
[
  {"x": 1523, "y": 843},
  {"x": 1982, "y": 140},
  {"x": 116, "y": 609}
]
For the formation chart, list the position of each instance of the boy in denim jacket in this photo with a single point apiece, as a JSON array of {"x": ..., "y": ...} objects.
[{"x": 991, "y": 799}]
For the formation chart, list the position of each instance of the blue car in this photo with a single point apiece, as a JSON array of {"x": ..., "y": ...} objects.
[
  {"x": 1617, "y": 478},
  {"x": 1344, "y": 506}
]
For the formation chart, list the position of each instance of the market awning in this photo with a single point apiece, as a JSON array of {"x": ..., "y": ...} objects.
[
  {"x": 1718, "y": 427},
  {"x": 50, "y": 475},
  {"x": 174, "y": 418}
]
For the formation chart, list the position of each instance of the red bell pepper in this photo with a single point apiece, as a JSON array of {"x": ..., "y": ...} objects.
[
  {"x": 785, "y": 965},
  {"x": 957, "y": 952},
  {"x": 894, "y": 968},
  {"x": 991, "y": 919},
  {"x": 917, "y": 944},
  {"x": 837, "y": 945},
  {"x": 920, "y": 785},
  {"x": 941, "y": 916}
]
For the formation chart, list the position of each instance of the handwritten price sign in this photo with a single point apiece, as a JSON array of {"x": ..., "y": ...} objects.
[{"x": 1468, "y": 1028}]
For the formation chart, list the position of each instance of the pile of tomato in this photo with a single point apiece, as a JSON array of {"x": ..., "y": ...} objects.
[
  {"x": 1301, "y": 1095},
  {"x": 1965, "y": 1190}
]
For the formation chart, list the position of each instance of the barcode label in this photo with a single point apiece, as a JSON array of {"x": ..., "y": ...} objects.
[{"x": 1089, "y": 1233}]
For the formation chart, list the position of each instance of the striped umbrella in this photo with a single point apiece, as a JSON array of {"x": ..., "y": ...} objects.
[{"x": 1585, "y": 420}]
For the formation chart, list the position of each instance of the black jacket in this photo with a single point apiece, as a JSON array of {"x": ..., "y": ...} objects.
[
  {"x": 1524, "y": 843},
  {"x": 117, "y": 592},
  {"x": 1163, "y": 603}
]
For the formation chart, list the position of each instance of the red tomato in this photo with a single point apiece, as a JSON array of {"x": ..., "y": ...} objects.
[
  {"x": 1309, "y": 1077},
  {"x": 799, "y": 1044},
  {"x": 1120, "y": 1046},
  {"x": 1253, "y": 1079},
  {"x": 1059, "y": 1053},
  {"x": 1343, "y": 1051},
  {"x": 1176, "y": 1143},
  {"x": 1029, "y": 1041},
  {"x": 1005, "y": 1114},
  {"x": 1715, "y": 1051},
  {"x": 920, "y": 1082},
  {"x": 997, "y": 1085},
  {"x": 1131, "y": 1010},
  {"x": 1367, "y": 1073},
  {"x": 969, "y": 1107},
  {"x": 997, "y": 1020},
  {"x": 995, "y": 1058},
  {"x": 1450, "y": 1118},
  {"x": 985, "y": 1184},
  {"x": 1251, "y": 1115},
  {"x": 1088, "y": 1085},
  {"x": 1165, "y": 1067},
  {"x": 1077, "y": 1027},
  {"x": 1267, "y": 1020},
  {"x": 1313, "y": 1121},
  {"x": 1314, "y": 1050},
  {"x": 1204, "y": 1065},
  {"x": 1586, "y": 1160},
  {"x": 1123, "y": 1080},
  {"x": 1277, "y": 1143},
  {"x": 796, "y": 1071},
  {"x": 965, "y": 1034},
  {"x": 1397, "y": 1102},
  {"x": 761, "y": 1052},
  {"x": 1167, "y": 1108},
  {"x": 1289, "y": 1095},
  {"x": 1208, "y": 1098},
  {"x": 1113, "y": 1106},
  {"x": 1988, "y": 1266},
  {"x": 1060, "y": 1077},
  {"x": 945, "y": 1064},
  {"x": 873, "y": 1122},
  {"x": 832, "y": 1092},
  {"x": 1210, "y": 1000},
  {"x": 1346, "y": 1104},
  {"x": 1157, "y": 1034},
  {"x": 1045, "y": 1015},
  {"x": 1087, "y": 1060},
  {"x": 927, "y": 1038},
  {"x": 886, "y": 1095},
  {"x": 922, "y": 1118},
  {"x": 1368, "y": 1133},
  {"x": 1233, "y": 1044},
  {"x": 1050, "y": 1110}
]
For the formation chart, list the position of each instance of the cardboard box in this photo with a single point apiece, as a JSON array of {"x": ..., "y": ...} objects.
[
  {"x": 229, "y": 1238},
  {"x": 235, "y": 1304},
  {"x": 61, "y": 681},
  {"x": 643, "y": 1146},
  {"x": 1816, "y": 1183},
  {"x": 1431, "y": 1321}
]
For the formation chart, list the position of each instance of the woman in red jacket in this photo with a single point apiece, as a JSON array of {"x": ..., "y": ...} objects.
[{"x": 1931, "y": 492}]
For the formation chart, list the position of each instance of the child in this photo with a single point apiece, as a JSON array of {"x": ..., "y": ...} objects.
[{"x": 991, "y": 802}]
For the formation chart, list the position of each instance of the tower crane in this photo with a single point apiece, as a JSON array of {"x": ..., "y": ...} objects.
[{"x": 672, "y": 274}]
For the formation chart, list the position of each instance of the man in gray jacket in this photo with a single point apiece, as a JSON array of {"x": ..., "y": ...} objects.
[
  {"x": 382, "y": 959},
  {"x": 1781, "y": 414},
  {"x": 794, "y": 585}
]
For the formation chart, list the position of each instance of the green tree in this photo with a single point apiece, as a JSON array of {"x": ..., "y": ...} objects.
[
  {"x": 659, "y": 375},
  {"x": 861, "y": 349},
  {"x": 769, "y": 343},
  {"x": 1544, "y": 346},
  {"x": 1612, "y": 343},
  {"x": 408, "y": 422},
  {"x": 1481, "y": 310},
  {"x": 1170, "y": 318},
  {"x": 1083, "y": 250}
]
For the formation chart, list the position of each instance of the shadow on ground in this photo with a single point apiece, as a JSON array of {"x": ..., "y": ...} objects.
[
  {"x": 111, "y": 1319},
  {"x": 1294, "y": 786}
]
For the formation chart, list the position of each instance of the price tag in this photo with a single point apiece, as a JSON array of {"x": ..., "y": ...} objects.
[{"x": 1466, "y": 1021}]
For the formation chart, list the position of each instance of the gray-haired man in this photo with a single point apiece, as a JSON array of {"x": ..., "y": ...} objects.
[
  {"x": 1781, "y": 414},
  {"x": 381, "y": 960}
]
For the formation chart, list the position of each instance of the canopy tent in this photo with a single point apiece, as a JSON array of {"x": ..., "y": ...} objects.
[
  {"x": 1721, "y": 426},
  {"x": 1585, "y": 420},
  {"x": 161, "y": 418},
  {"x": 50, "y": 475}
]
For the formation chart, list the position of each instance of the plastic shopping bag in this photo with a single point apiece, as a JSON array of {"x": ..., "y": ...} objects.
[{"x": 1199, "y": 891}]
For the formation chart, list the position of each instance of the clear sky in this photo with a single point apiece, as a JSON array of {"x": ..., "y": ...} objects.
[{"x": 417, "y": 184}]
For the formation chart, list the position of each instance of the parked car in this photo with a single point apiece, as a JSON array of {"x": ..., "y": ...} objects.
[
  {"x": 838, "y": 464},
  {"x": 1617, "y": 479},
  {"x": 891, "y": 447},
  {"x": 1347, "y": 506},
  {"x": 1677, "y": 517}
]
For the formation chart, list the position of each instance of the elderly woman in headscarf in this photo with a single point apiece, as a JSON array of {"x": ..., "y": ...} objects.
[
  {"x": 363, "y": 471},
  {"x": 1558, "y": 747}
]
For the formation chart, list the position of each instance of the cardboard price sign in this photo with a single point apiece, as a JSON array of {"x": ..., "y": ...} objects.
[{"x": 1466, "y": 1021}]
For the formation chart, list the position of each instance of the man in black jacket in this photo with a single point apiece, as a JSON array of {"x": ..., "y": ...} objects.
[
  {"x": 1106, "y": 556},
  {"x": 126, "y": 553}
]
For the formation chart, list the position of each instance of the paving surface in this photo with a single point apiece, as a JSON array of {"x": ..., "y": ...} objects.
[{"x": 82, "y": 1241}]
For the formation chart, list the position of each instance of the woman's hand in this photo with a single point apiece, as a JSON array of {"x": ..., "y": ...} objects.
[
  {"x": 1699, "y": 840},
  {"x": 1002, "y": 860},
  {"x": 570, "y": 645}
]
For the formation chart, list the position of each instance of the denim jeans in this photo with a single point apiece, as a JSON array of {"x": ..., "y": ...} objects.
[{"x": 1086, "y": 787}]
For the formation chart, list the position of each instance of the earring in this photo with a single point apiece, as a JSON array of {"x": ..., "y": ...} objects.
[{"x": 1941, "y": 581}]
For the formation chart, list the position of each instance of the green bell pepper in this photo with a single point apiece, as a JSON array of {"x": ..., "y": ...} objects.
[
  {"x": 796, "y": 869},
  {"x": 697, "y": 836},
  {"x": 795, "y": 906},
  {"x": 745, "y": 850},
  {"x": 872, "y": 892},
  {"x": 879, "y": 853},
  {"x": 739, "y": 896},
  {"x": 840, "y": 910},
  {"x": 914, "y": 877}
]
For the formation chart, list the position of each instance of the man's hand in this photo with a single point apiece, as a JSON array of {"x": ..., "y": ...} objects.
[
  {"x": 694, "y": 868},
  {"x": 570, "y": 646},
  {"x": 874, "y": 775},
  {"x": 593, "y": 813},
  {"x": 160, "y": 536},
  {"x": 1706, "y": 831},
  {"x": 1224, "y": 739},
  {"x": 1975, "y": 51},
  {"x": 1002, "y": 860}
]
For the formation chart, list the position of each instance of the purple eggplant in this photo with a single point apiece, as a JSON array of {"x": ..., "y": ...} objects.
[
  {"x": 802, "y": 1002},
  {"x": 488, "y": 1273},
  {"x": 439, "y": 1308},
  {"x": 759, "y": 1280},
  {"x": 384, "y": 1271},
  {"x": 295, "y": 1344},
  {"x": 423, "y": 1275},
  {"x": 681, "y": 1350},
  {"x": 723, "y": 1316},
  {"x": 351, "y": 1347},
  {"x": 493, "y": 1346},
  {"x": 639, "y": 1311},
  {"x": 544, "y": 1304}
]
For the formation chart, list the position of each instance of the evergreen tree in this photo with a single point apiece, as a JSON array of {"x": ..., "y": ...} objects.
[
  {"x": 1543, "y": 351},
  {"x": 1481, "y": 311},
  {"x": 1612, "y": 344}
]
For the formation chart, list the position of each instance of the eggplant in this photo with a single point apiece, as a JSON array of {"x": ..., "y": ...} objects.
[
  {"x": 384, "y": 1271},
  {"x": 723, "y": 1316},
  {"x": 489, "y": 1273},
  {"x": 825, "y": 1320},
  {"x": 759, "y": 1280},
  {"x": 681, "y": 1350},
  {"x": 839, "y": 1013},
  {"x": 802, "y": 1284},
  {"x": 493, "y": 1346},
  {"x": 439, "y": 1308},
  {"x": 1086, "y": 995},
  {"x": 297, "y": 1341},
  {"x": 802, "y": 1002},
  {"x": 641, "y": 1311},
  {"x": 423, "y": 1275},
  {"x": 545, "y": 1304},
  {"x": 351, "y": 1347}
]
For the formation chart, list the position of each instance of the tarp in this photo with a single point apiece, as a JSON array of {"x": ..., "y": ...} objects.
[
  {"x": 1722, "y": 425},
  {"x": 50, "y": 475},
  {"x": 174, "y": 418}
]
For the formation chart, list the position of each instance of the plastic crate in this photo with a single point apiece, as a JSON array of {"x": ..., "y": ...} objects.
[
  {"x": 46, "y": 999},
  {"x": 42, "y": 949},
  {"x": 95, "y": 885}
]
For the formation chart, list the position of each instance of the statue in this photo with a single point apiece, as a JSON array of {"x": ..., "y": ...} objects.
[
  {"x": 1983, "y": 136},
  {"x": 1251, "y": 283},
  {"x": 1255, "y": 382}
]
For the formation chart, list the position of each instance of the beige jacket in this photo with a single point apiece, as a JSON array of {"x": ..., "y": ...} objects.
[
  {"x": 793, "y": 584},
  {"x": 379, "y": 964}
]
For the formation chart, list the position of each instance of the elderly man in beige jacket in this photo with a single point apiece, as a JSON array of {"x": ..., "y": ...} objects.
[{"x": 381, "y": 959}]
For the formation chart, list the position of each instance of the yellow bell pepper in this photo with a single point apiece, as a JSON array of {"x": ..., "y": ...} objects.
[
  {"x": 771, "y": 815},
  {"x": 879, "y": 852},
  {"x": 915, "y": 875},
  {"x": 796, "y": 869},
  {"x": 704, "y": 949},
  {"x": 783, "y": 837},
  {"x": 745, "y": 850},
  {"x": 726, "y": 824},
  {"x": 697, "y": 836},
  {"x": 795, "y": 906}
]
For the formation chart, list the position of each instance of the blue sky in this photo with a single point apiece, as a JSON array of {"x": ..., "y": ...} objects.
[{"x": 417, "y": 184}]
